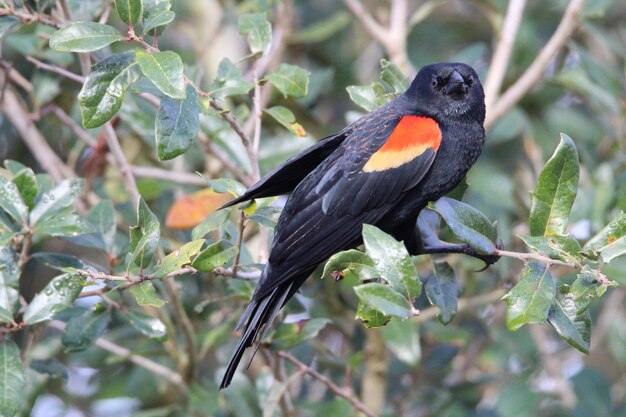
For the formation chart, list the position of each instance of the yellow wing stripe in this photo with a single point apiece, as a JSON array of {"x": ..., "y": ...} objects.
[{"x": 411, "y": 138}]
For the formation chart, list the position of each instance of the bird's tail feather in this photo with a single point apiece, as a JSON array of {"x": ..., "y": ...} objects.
[{"x": 257, "y": 317}]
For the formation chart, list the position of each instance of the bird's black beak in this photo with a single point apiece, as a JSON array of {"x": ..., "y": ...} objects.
[{"x": 456, "y": 84}]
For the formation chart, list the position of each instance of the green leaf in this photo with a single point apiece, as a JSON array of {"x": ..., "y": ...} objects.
[
  {"x": 212, "y": 222},
  {"x": 12, "y": 379},
  {"x": 610, "y": 242},
  {"x": 257, "y": 30},
  {"x": 229, "y": 81},
  {"x": 369, "y": 97},
  {"x": 103, "y": 93},
  {"x": 402, "y": 338},
  {"x": 5, "y": 316},
  {"x": 393, "y": 261},
  {"x": 565, "y": 248},
  {"x": 370, "y": 317},
  {"x": 101, "y": 220},
  {"x": 84, "y": 37},
  {"x": 84, "y": 329},
  {"x": 61, "y": 261},
  {"x": 285, "y": 117},
  {"x": 144, "y": 237},
  {"x": 215, "y": 255},
  {"x": 146, "y": 295},
  {"x": 569, "y": 322},
  {"x": 384, "y": 299},
  {"x": 58, "y": 295},
  {"x": 61, "y": 223},
  {"x": 530, "y": 300},
  {"x": 179, "y": 258},
  {"x": 294, "y": 334},
  {"x": 552, "y": 199},
  {"x": 442, "y": 290},
  {"x": 177, "y": 125},
  {"x": 55, "y": 200},
  {"x": 393, "y": 76},
  {"x": 165, "y": 70},
  {"x": 26, "y": 183},
  {"x": 130, "y": 11},
  {"x": 351, "y": 262},
  {"x": 147, "y": 325},
  {"x": 223, "y": 185},
  {"x": 9, "y": 283},
  {"x": 266, "y": 216},
  {"x": 467, "y": 224},
  {"x": 11, "y": 201},
  {"x": 7, "y": 22},
  {"x": 291, "y": 80},
  {"x": 157, "y": 17}
]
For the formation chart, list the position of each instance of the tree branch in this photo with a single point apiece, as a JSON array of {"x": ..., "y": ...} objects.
[
  {"x": 569, "y": 23},
  {"x": 338, "y": 391},
  {"x": 154, "y": 367},
  {"x": 502, "y": 53},
  {"x": 122, "y": 163}
]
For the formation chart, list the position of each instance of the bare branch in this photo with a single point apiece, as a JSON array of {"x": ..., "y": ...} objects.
[
  {"x": 334, "y": 388},
  {"x": 569, "y": 23},
  {"x": 464, "y": 304},
  {"x": 502, "y": 53},
  {"x": 154, "y": 367},
  {"x": 56, "y": 69},
  {"x": 368, "y": 22},
  {"x": 122, "y": 163}
]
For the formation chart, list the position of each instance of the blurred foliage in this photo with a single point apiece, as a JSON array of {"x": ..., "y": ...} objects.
[{"x": 121, "y": 284}]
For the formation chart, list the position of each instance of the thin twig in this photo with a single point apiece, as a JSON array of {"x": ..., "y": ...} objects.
[
  {"x": 154, "y": 367},
  {"x": 29, "y": 18},
  {"x": 502, "y": 53},
  {"x": 257, "y": 114},
  {"x": 535, "y": 257},
  {"x": 122, "y": 163},
  {"x": 334, "y": 388},
  {"x": 242, "y": 226},
  {"x": 166, "y": 175},
  {"x": 569, "y": 23},
  {"x": 464, "y": 304},
  {"x": 56, "y": 69}
]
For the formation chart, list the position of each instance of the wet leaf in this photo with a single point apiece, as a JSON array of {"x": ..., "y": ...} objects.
[
  {"x": 179, "y": 258},
  {"x": 393, "y": 261},
  {"x": 60, "y": 197},
  {"x": 552, "y": 199},
  {"x": 442, "y": 290},
  {"x": 215, "y": 255},
  {"x": 84, "y": 37},
  {"x": 291, "y": 80},
  {"x": 26, "y": 183},
  {"x": 130, "y": 11},
  {"x": 12, "y": 379},
  {"x": 101, "y": 219},
  {"x": 146, "y": 295},
  {"x": 147, "y": 325},
  {"x": 58, "y": 295},
  {"x": 103, "y": 93},
  {"x": 165, "y": 70},
  {"x": 11, "y": 201},
  {"x": 370, "y": 317},
  {"x": 351, "y": 262},
  {"x": 84, "y": 329},
  {"x": 157, "y": 17},
  {"x": 257, "y": 30},
  {"x": 530, "y": 300},
  {"x": 384, "y": 299},
  {"x": 61, "y": 261},
  {"x": 144, "y": 237},
  {"x": 9, "y": 283},
  {"x": 177, "y": 125}
]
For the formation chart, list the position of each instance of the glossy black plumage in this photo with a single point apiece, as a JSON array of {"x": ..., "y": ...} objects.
[{"x": 332, "y": 195}]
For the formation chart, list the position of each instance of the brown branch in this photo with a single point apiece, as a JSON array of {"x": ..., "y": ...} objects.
[
  {"x": 154, "y": 367},
  {"x": 374, "y": 380},
  {"x": 56, "y": 69},
  {"x": 569, "y": 23},
  {"x": 502, "y": 53},
  {"x": 334, "y": 388},
  {"x": 28, "y": 18},
  {"x": 464, "y": 304},
  {"x": 525, "y": 257},
  {"x": 163, "y": 174}
]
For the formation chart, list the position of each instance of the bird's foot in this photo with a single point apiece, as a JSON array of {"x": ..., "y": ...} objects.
[{"x": 488, "y": 259}]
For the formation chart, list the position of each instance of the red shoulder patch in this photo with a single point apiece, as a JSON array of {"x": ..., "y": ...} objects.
[{"x": 411, "y": 138}]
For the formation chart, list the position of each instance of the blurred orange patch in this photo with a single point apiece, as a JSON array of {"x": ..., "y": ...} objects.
[{"x": 190, "y": 210}]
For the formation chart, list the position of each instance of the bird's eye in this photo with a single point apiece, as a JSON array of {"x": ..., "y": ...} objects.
[
  {"x": 435, "y": 82},
  {"x": 470, "y": 80}
]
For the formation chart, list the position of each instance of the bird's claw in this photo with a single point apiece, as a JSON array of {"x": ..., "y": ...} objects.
[{"x": 489, "y": 259}]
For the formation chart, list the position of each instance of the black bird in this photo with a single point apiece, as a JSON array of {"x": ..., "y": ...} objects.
[{"x": 382, "y": 170}]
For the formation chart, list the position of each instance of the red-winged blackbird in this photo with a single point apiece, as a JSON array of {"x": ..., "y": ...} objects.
[{"x": 382, "y": 169}]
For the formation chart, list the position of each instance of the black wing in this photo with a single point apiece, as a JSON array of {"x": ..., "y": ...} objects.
[{"x": 286, "y": 176}]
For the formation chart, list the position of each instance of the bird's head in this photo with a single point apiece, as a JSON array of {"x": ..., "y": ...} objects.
[{"x": 450, "y": 90}]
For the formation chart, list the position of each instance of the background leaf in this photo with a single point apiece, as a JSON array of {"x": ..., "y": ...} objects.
[
  {"x": 291, "y": 80},
  {"x": 84, "y": 37},
  {"x": 144, "y": 237},
  {"x": 12, "y": 380},
  {"x": 130, "y": 11},
  {"x": 177, "y": 125},
  {"x": 257, "y": 30},
  {"x": 442, "y": 290}
]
